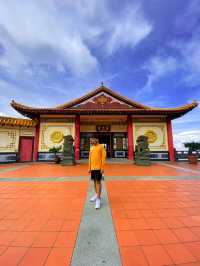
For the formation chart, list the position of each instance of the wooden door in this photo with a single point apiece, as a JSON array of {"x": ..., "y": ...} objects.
[{"x": 26, "y": 149}]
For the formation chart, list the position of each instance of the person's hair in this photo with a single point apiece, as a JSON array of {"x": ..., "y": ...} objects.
[{"x": 94, "y": 137}]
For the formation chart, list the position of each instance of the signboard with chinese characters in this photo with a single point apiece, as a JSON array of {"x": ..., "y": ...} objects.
[{"x": 103, "y": 128}]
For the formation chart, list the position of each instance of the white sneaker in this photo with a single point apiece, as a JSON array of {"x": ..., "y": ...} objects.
[
  {"x": 93, "y": 198},
  {"x": 98, "y": 203}
]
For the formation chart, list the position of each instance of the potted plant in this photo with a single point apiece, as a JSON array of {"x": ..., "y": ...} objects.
[
  {"x": 55, "y": 150},
  {"x": 192, "y": 147}
]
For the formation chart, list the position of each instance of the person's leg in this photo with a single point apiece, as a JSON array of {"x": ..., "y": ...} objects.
[
  {"x": 93, "y": 198},
  {"x": 98, "y": 200},
  {"x": 95, "y": 186},
  {"x": 98, "y": 188}
]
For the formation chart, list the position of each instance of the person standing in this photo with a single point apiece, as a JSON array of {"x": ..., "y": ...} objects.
[{"x": 97, "y": 157}]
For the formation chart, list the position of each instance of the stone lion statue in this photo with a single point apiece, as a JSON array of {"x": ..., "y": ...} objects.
[
  {"x": 142, "y": 152},
  {"x": 68, "y": 151}
]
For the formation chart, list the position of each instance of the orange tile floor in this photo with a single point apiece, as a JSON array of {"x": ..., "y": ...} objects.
[
  {"x": 156, "y": 222},
  {"x": 39, "y": 222},
  {"x": 53, "y": 170}
]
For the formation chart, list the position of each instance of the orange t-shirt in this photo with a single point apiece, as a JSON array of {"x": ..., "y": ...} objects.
[{"x": 97, "y": 157}]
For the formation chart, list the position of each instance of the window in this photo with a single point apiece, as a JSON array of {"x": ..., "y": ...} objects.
[{"x": 120, "y": 141}]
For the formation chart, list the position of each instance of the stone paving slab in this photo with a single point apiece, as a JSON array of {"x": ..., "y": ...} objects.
[{"x": 96, "y": 244}]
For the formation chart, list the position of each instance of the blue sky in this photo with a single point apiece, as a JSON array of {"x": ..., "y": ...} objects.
[{"x": 54, "y": 50}]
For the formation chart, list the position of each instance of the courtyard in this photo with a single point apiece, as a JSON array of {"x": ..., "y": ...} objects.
[{"x": 149, "y": 215}]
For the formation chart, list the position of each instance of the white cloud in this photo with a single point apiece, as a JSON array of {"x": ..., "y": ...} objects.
[
  {"x": 185, "y": 136},
  {"x": 2, "y": 114},
  {"x": 51, "y": 47},
  {"x": 190, "y": 52},
  {"x": 35, "y": 33},
  {"x": 188, "y": 46},
  {"x": 157, "y": 67},
  {"x": 128, "y": 30},
  {"x": 189, "y": 118},
  {"x": 61, "y": 33}
]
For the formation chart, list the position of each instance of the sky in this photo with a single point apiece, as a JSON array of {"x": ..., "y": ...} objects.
[{"x": 52, "y": 51}]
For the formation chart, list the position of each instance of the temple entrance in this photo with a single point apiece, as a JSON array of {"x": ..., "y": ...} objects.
[
  {"x": 105, "y": 139},
  {"x": 115, "y": 144}
]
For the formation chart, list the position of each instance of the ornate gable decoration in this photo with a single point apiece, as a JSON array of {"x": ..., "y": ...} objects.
[{"x": 102, "y": 101}]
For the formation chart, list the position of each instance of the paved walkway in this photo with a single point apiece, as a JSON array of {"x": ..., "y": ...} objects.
[
  {"x": 150, "y": 218},
  {"x": 96, "y": 243},
  {"x": 111, "y": 170}
]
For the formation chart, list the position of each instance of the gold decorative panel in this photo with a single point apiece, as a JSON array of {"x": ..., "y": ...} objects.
[
  {"x": 52, "y": 134},
  {"x": 156, "y": 133},
  {"x": 151, "y": 135},
  {"x": 57, "y": 136}
]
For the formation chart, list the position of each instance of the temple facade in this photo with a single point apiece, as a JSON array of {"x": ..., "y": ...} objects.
[{"x": 116, "y": 120}]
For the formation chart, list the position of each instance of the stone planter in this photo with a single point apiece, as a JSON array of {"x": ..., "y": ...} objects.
[
  {"x": 57, "y": 159},
  {"x": 193, "y": 159}
]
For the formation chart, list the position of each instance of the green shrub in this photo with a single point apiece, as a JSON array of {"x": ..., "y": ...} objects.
[{"x": 55, "y": 149}]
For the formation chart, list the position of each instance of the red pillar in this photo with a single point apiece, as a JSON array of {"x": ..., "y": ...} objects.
[
  {"x": 36, "y": 142},
  {"x": 130, "y": 137},
  {"x": 170, "y": 140},
  {"x": 77, "y": 137}
]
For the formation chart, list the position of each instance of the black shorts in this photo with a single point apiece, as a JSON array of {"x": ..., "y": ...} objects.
[{"x": 96, "y": 175}]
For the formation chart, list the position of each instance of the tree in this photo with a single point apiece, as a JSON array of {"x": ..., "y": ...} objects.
[{"x": 192, "y": 146}]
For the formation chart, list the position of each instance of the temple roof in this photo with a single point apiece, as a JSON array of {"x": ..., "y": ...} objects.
[
  {"x": 12, "y": 121},
  {"x": 103, "y": 101},
  {"x": 102, "y": 90}
]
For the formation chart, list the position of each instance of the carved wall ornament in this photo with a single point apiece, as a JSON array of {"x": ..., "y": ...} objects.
[
  {"x": 151, "y": 135},
  {"x": 57, "y": 136},
  {"x": 102, "y": 99}
]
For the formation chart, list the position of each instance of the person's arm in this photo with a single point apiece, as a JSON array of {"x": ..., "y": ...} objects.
[
  {"x": 103, "y": 158},
  {"x": 89, "y": 165}
]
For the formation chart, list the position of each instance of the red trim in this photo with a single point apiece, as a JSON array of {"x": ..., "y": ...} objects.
[
  {"x": 36, "y": 142},
  {"x": 130, "y": 137},
  {"x": 77, "y": 137},
  {"x": 170, "y": 141}
]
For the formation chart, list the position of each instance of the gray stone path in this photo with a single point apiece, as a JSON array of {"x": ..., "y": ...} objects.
[
  {"x": 13, "y": 168},
  {"x": 96, "y": 244},
  {"x": 85, "y": 178}
]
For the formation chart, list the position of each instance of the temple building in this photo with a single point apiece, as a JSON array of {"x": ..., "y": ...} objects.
[{"x": 116, "y": 120}]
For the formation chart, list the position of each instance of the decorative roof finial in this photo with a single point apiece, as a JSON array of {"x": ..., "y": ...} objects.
[{"x": 102, "y": 84}]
